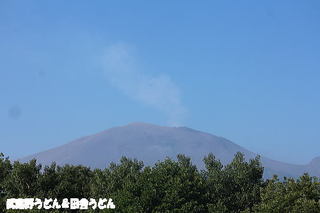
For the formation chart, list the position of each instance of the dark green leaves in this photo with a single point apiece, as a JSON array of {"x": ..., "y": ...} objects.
[{"x": 167, "y": 186}]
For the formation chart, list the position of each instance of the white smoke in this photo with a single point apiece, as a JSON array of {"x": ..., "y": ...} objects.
[{"x": 159, "y": 92}]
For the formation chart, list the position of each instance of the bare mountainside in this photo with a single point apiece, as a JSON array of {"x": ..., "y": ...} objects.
[{"x": 151, "y": 143}]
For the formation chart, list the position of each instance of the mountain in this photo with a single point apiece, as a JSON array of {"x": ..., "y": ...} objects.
[{"x": 151, "y": 143}]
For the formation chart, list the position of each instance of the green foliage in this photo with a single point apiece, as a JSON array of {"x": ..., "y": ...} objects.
[
  {"x": 23, "y": 180},
  {"x": 291, "y": 195},
  {"x": 5, "y": 170},
  {"x": 71, "y": 182},
  {"x": 167, "y": 186},
  {"x": 176, "y": 186},
  {"x": 235, "y": 187}
]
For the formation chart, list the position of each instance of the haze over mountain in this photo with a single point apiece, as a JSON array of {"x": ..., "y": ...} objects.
[{"x": 150, "y": 143}]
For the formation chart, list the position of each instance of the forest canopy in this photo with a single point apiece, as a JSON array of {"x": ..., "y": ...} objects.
[{"x": 168, "y": 186}]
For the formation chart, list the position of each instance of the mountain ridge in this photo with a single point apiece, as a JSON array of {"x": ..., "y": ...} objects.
[{"x": 151, "y": 143}]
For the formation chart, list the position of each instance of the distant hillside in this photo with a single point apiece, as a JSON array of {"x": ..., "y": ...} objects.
[{"x": 151, "y": 143}]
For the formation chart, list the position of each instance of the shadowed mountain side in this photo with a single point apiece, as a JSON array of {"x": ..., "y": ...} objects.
[{"x": 151, "y": 143}]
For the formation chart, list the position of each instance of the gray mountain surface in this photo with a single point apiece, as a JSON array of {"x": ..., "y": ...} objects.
[{"x": 151, "y": 143}]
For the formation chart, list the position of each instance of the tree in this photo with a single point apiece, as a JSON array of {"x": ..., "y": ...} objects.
[
  {"x": 177, "y": 186},
  {"x": 167, "y": 186},
  {"x": 22, "y": 181},
  {"x": 71, "y": 182},
  {"x": 234, "y": 187},
  {"x": 291, "y": 195},
  {"x": 5, "y": 169},
  {"x": 122, "y": 183}
]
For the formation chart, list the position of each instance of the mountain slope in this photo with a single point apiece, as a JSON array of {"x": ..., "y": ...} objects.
[{"x": 151, "y": 143}]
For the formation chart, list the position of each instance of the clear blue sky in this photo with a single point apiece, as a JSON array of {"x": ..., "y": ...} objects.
[{"x": 245, "y": 70}]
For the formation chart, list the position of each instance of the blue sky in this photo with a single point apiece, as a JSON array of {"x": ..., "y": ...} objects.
[{"x": 245, "y": 70}]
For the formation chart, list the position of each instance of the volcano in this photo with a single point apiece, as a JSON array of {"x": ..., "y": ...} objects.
[{"x": 151, "y": 143}]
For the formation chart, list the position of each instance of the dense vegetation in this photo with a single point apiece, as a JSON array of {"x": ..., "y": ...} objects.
[{"x": 168, "y": 186}]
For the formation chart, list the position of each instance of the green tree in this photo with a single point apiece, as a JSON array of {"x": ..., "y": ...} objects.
[
  {"x": 22, "y": 181},
  {"x": 121, "y": 182},
  {"x": 234, "y": 187},
  {"x": 70, "y": 181},
  {"x": 291, "y": 195},
  {"x": 5, "y": 169},
  {"x": 167, "y": 186},
  {"x": 177, "y": 186}
]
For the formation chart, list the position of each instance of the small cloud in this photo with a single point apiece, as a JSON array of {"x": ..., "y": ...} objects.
[{"x": 160, "y": 92}]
